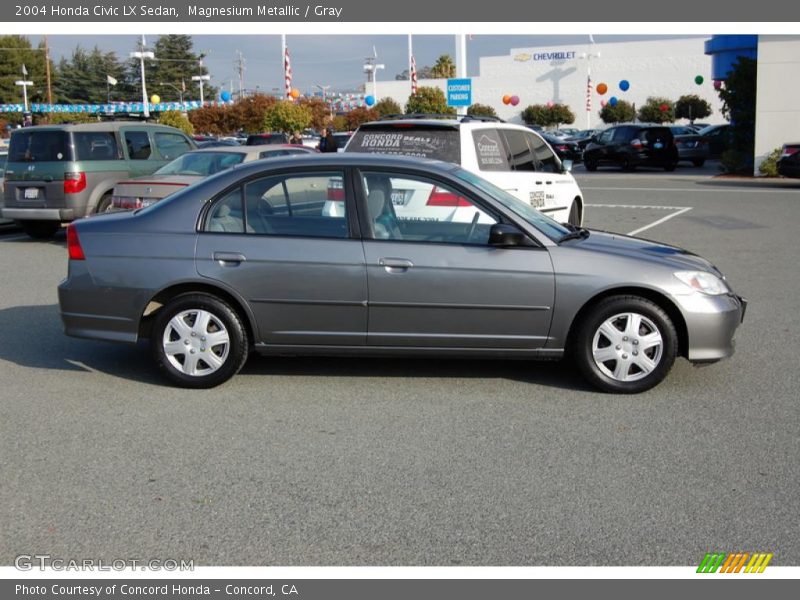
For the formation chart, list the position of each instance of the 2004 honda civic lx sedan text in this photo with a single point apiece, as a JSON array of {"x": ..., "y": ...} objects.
[{"x": 252, "y": 259}]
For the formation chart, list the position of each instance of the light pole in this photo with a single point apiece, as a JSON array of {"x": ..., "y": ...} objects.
[
  {"x": 201, "y": 79},
  {"x": 141, "y": 55},
  {"x": 24, "y": 85},
  {"x": 589, "y": 56},
  {"x": 175, "y": 87}
]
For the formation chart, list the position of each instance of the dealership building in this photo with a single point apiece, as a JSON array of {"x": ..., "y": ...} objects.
[{"x": 659, "y": 67}]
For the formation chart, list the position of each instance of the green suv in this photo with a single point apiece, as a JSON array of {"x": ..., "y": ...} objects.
[{"x": 60, "y": 173}]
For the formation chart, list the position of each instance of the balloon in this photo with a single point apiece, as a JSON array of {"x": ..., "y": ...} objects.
[
  {"x": 718, "y": 84},
  {"x": 602, "y": 88},
  {"x": 506, "y": 99},
  {"x": 295, "y": 93},
  {"x": 699, "y": 80},
  {"x": 155, "y": 99},
  {"x": 624, "y": 85},
  {"x": 664, "y": 107},
  {"x": 550, "y": 104},
  {"x": 603, "y": 103},
  {"x": 613, "y": 101},
  {"x": 370, "y": 100},
  {"x": 514, "y": 100},
  {"x": 226, "y": 96}
]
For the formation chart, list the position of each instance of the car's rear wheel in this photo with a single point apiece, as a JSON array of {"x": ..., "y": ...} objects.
[
  {"x": 626, "y": 164},
  {"x": 199, "y": 341},
  {"x": 625, "y": 344},
  {"x": 104, "y": 204},
  {"x": 41, "y": 230},
  {"x": 590, "y": 164}
]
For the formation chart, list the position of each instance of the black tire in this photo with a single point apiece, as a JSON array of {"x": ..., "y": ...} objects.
[
  {"x": 699, "y": 162},
  {"x": 104, "y": 204},
  {"x": 575, "y": 216},
  {"x": 600, "y": 374},
  {"x": 626, "y": 164},
  {"x": 671, "y": 166},
  {"x": 590, "y": 164},
  {"x": 41, "y": 230},
  {"x": 220, "y": 314}
]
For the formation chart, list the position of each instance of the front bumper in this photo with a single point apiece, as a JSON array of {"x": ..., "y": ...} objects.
[{"x": 711, "y": 323}]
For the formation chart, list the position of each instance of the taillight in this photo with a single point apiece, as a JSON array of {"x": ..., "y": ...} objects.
[
  {"x": 126, "y": 202},
  {"x": 74, "y": 183},
  {"x": 74, "y": 244},
  {"x": 336, "y": 191},
  {"x": 637, "y": 144},
  {"x": 444, "y": 198}
]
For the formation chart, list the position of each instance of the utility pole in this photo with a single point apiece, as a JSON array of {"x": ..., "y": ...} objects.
[
  {"x": 47, "y": 71},
  {"x": 240, "y": 71}
]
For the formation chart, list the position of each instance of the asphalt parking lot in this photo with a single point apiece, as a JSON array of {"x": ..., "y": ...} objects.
[{"x": 330, "y": 461}]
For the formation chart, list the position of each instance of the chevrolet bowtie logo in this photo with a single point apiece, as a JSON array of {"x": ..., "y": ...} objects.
[{"x": 733, "y": 562}]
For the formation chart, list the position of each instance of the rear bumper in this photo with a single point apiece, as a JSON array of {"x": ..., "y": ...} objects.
[
  {"x": 711, "y": 322},
  {"x": 38, "y": 214}
]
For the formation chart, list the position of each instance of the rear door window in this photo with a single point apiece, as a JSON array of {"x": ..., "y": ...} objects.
[
  {"x": 171, "y": 145},
  {"x": 39, "y": 146},
  {"x": 425, "y": 142},
  {"x": 490, "y": 150},
  {"x": 545, "y": 159},
  {"x": 95, "y": 145},
  {"x": 520, "y": 154},
  {"x": 138, "y": 144}
]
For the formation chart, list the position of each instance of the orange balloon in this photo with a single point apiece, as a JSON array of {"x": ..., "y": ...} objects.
[
  {"x": 602, "y": 88},
  {"x": 506, "y": 99},
  {"x": 295, "y": 93}
]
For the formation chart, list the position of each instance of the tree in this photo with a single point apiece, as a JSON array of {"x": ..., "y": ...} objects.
[
  {"x": 83, "y": 78},
  {"x": 657, "y": 110},
  {"x": 547, "y": 116},
  {"x": 621, "y": 112},
  {"x": 248, "y": 114},
  {"x": 287, "y": 116},
  {"x": 17, "y": 51},
  {"x": 692, "y": 106},
  {"x": 320, "y": 111},
  {"x": 424, "y": 73},
  {"x": 360, "y": 115},
  {"x": 444, "y": 68},
  {"x": 481, "y": 110},
  {"x": 430, "y": 100},
  {"x": 738, "y": 97},
  {"x": 213, "y": 120},
  {"x": 176, "y": 119},
  {"x": 387, "y": 106}
]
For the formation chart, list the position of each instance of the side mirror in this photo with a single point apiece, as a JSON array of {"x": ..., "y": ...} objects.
[
  {"x": 504, "y": 235},
  {"x": 566, "y": 166}
]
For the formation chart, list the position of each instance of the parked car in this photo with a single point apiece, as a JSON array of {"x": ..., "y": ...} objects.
[
  {"x": 245, "y": 260},
  {"x": 718, "y": 138},
  {"x": 340, "y": 138},
  {"x": 58, "y": 173},
  {"x": 513, "y": 157},
  {"x": 3, "y": 158},
  {"x": 190, "y": 168},
  {"x": 582, "y": 138},
  {"x": 259, "y": 139},
  {"x": 564, "y": 149},
  {"x": 789, "y": 162},
  {"x": 692, "y": 147},
  {"x": 218, "y": 143},
  {"x": 631, "y": 145}
]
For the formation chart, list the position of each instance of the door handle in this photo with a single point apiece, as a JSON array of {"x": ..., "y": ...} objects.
[
  {"x": 395, "y": 265},
  {"x": 229, "y": 258}
]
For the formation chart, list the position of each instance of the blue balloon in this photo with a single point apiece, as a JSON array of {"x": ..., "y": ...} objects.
[
  {"x": 226, "y": 96},
  {"x": 370, "y": 100},
  {"x": 624, "y": 85},
  {"x": 613, "y": 101}
]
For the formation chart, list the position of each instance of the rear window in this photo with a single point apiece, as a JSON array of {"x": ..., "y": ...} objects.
[
  {"x": 267, "y": 138},
  {"x": 95, "y": 145},
  {"x": 425, "y": 142},
  {"x": 656, "y": 134},
  {"x": 39, "y": 146}
]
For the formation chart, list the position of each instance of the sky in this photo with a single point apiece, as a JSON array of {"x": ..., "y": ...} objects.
[{"x": 335, "y": 60}]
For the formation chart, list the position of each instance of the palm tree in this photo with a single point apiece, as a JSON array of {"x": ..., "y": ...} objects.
[{"x": 443, "y": 68}]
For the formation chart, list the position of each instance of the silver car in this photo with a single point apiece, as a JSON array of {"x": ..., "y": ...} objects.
[{"x": 248, "y": 259}]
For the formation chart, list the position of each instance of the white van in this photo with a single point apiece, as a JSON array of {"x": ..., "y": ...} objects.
[{"x": 512, "y": 157}]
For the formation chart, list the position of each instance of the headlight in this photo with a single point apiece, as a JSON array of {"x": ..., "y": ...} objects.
[{"x": 703, "y": 281}]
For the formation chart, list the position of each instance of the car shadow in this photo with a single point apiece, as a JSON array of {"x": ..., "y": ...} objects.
[{"x": 33, "y": 337}]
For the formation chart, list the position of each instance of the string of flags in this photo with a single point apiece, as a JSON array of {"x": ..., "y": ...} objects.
[{"x": 118, "y": 107}]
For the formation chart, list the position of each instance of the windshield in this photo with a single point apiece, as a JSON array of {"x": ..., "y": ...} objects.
[
  {"x": 543, "y": 223},
  {"x": 201, "y": 163}
]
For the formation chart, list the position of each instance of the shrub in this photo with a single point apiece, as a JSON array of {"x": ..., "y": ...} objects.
[
  {"x": 178, "y": 120},
  {"x": 481, "y": 110},
  {"x": 429, "y": 100},
  {"x": 769, "y": 166}
]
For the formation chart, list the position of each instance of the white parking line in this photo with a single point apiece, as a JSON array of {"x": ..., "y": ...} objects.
[{"x": 679, "y": 210}]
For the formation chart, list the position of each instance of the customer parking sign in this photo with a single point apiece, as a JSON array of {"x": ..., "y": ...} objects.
[{"x": 459, "y": 92}]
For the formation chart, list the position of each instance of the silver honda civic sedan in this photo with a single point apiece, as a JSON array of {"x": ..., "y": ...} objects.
[{"x": 321, "y": 255}]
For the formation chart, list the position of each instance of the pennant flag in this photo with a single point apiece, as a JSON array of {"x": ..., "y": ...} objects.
[
  {"x": 111, "y": 80},
  {"x": 24, "y": 70},
  {"x": 287, "y": 71},
  {"x": 413, "y": 76},
  {"x": 588, "y": 93}
]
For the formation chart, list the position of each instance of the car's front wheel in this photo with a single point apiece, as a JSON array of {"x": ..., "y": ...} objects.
[
  {"x": 625, "y": 344},
  {"x": 199, "y": 341}
]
